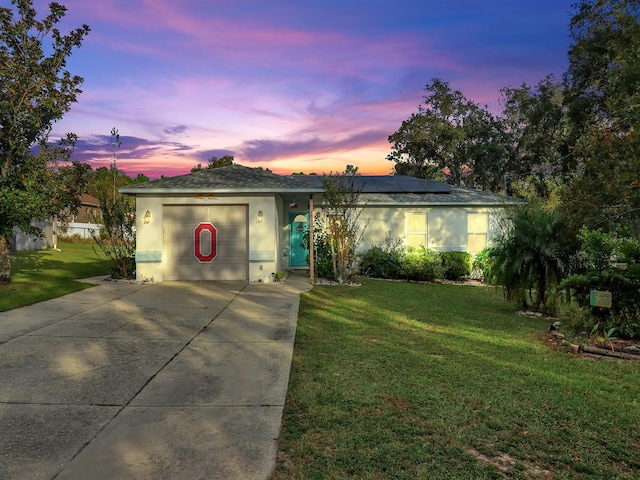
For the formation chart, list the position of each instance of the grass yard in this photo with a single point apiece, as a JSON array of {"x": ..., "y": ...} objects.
[
  {"x": 403, "y": 380},
  {"x": 45, "y": 274}
]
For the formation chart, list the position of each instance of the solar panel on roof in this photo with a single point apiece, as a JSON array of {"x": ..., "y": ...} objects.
[{"x": 386, "y": 184}]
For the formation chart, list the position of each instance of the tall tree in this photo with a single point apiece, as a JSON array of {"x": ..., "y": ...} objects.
[
  {"x": 450, "y": 137},
  {"x": 536, "y": 121},
  {"x": 36, "y": 91},
  {"x": 341, "y": 220},
  {"x": 104, "y": 182},
  {"x": 411, "y": 150},
  {"x": 603, "y": 77},
  {"x": 602, "y": 88},
  {"x": 117, "y": 235}
]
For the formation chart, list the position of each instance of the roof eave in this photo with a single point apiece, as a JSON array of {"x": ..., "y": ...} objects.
[
  {"x": 178, "y": 191},
  {"x": 440, "y": 204}
]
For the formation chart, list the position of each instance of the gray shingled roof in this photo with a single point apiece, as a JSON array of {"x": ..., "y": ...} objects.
[
  {"x": 386, "y": 184},
  {"x": 375, "y": 189},
  {"x": 231, "y": 179},
  {"x": 456, "y": 196}
]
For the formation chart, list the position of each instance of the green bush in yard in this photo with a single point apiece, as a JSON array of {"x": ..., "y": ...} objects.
[
  {"x": 480, "y": 263},
  {"x": 456, "y": 264},
  {"x": 422, "y": 265},
  {"x": 610, "y": 264},
  {"x": 378, "y": 263},
  {"x": 577, "y": 320},
  {"x": 624, "y": 286},
  {"x": 323, "y": 265},
  {"x": 389, "y": 261},
  {"x": 76, "y": 238},
  {"x": 531, "y": 256},
  {"x": 383, "y": 261}
]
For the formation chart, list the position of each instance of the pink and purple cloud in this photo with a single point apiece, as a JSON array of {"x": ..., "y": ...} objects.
[{"x": 287, "y": 85}]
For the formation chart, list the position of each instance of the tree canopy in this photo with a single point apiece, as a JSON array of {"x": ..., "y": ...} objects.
[
  {"x": 36, "y": 88},
  {"x": 450, "y": 138},
  {"x": 603, "y": 76},
  {"x": 36, "y": 91},
  {"x": 536, "y": 125},
  {"x": 602, "y": 89},
  {"x": 214, "y": 162}
]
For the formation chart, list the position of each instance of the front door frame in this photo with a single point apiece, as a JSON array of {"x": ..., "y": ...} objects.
[{"x": 295, "y": 238}]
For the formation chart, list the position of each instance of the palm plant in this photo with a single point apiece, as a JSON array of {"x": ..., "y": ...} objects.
[{"x": 532, "y": 255}]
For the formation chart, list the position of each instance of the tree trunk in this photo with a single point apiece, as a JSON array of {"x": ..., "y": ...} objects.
[
  {"x": 5, "y": 265},
  {"x": 334, "y": 260},
  {"x": 541, "y": 293},
  {"x": 608, "y": 352}
]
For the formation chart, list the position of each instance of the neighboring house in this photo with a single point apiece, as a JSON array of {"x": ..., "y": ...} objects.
[
  {"x": 241, "y": 223},
  {"x": 89, "y": 210},
  {"x": 84, "y": 221}
]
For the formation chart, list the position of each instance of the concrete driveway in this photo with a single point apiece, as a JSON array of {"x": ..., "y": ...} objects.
[{"x": 164, "y": 381}]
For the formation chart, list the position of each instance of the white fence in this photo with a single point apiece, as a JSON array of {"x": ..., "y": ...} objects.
[{"x": 82, "y": 229}]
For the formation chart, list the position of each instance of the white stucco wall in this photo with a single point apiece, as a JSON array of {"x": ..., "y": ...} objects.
[{"x": 446, "y": 225}]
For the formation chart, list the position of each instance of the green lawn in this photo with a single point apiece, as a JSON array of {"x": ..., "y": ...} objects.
[
  {"x": 398, "y": 380},
  {"x": 45, "y": 274}
]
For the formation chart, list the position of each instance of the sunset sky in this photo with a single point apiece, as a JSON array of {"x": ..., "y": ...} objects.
[{"x": 289, "y": 85}]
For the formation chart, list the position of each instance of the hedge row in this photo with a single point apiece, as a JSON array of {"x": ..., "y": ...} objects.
[{"x": 418, "y": 264}]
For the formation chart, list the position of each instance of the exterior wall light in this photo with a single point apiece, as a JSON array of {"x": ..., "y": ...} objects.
[
  {"x": 260, "y": 216},
  {"x": 147, "y": 217}
]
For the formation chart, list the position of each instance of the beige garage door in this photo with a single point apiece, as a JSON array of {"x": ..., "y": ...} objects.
[{"x": 205, "y": 242}]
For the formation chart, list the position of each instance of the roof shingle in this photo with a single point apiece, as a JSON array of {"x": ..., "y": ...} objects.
[
  {"x": 374, "y": 189},
  {"x": 231, "y": 179}
]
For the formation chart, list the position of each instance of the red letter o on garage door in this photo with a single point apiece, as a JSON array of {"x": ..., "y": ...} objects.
[{"x": 197, "y": 243}]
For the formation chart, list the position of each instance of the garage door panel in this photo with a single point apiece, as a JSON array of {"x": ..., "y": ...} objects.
[
  {"x": 222, "y": 272},
  {"x": 218, "y": 223},
  {"x": 231, "y": 261},
  {"x": 222, "y": 248},
  {"x": 224, "y": 235},
  {"x": 223, "y": 214},
  {"x": 225, "y": 273},
  {"x": 234, "y": 216},
  {"x": 214, "y": 265},
  {"x": 225, "y": 254}
]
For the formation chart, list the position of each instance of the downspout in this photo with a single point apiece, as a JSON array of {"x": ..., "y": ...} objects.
[{"x": 311, "y": 243}]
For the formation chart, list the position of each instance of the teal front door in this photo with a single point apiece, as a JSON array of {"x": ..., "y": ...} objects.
[{"x": 298, "y": 224}]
